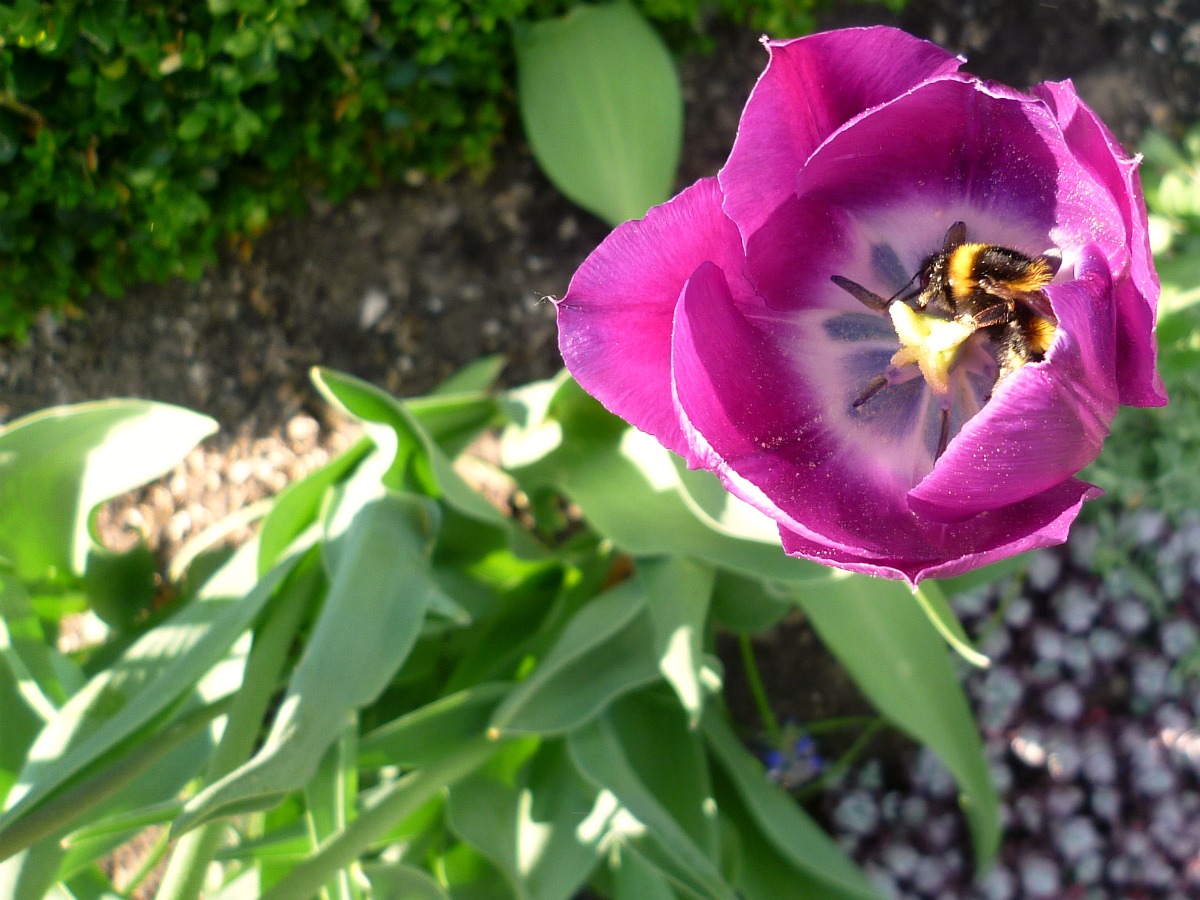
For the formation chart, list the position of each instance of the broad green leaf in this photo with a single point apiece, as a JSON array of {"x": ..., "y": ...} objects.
[
  {"x": 628, "y": 486},
  {"x": 531, "y": 829},
  {"x": 476, "y": 377},
  {"x": 415, "y": 462},
  {"x": 297, "y": 506},
  {"x": 634, "y": 878},
  {"x": 329, "y": 804},
  {"x": 649, "y": 767},
  {"x": 807, "y": 852},
  {"x": 120, "y": 586},
  {"x": 898, "y": 660},
  {"x": 57, "y": 465},
  {"x": 380, "y": 588},
  {"x": 602, "y": 108},
  {"x": 607, "y": 649},
  {"x": 747, "y": 605},
  {"x": 20, "y": 728},
  {"x": 157, "y": 670},
  {"x": 44, "y": 677},
  {"x": 677, "y": 597}
]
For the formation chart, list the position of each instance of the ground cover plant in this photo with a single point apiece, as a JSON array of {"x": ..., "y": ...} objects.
[{"x": 138, "y": 139}]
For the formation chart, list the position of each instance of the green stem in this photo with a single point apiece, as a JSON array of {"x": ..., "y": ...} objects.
[
  {"x": 936, "y": 607},
  {"x": 754, "y": 681},
  {"x": 843, "y": 763},
  {"x": 188, "y": 865}
]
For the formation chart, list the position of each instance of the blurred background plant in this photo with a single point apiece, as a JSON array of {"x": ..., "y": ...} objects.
[{"x": 1150, "y": 465}]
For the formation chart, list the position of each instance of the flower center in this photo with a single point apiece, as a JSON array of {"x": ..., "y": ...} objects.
[{"x": 931, "y": 342}]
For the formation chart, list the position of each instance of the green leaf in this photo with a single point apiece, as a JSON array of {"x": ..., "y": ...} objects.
[
  {"x": 602, "y": 107},
  {"x": 380, "y": 588},
  {"x": 607, "y": 649},
  {"x": 808, "y": 852},
  {"x": 379, "y": 811},
  {"x": 45, "y": 678},
  {"x": 120, "y": 586},
  {"x": 933, "y": 603},
  {"x": 677, "y": 597},
  {"x": 531, "y": 829},
  {"x": 629, "y": 487},
  {"x": 149, "y": 678},
  {"x": 897, "y": 659},
  {"x": 297, "y": 506},
  {"x": 414, "y": 461},
  {"x": 57, "y": 465},
  {"x": 402, "y": 882},
  {"x": 651, "y": 764},
  {"x": 425, "y": 734}
]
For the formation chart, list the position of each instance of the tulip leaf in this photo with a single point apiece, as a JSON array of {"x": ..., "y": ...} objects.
[
  {"x": 149, "y": 678},
  {"x": 57, "y": 465},
  {"x": 606, "y": 650},
  {"x": 628, "y": 486},
  {"x": 414, "y": 461},
  {"x": 650, "y": 765},
  {"x": 602, "y": 108},
  {"x": 678, "y": 593},
  {"x": 532, "y": 830},
  {"x": 898, "y": 660},
  {"x": 380, "y": 588},
  {"x": 423, "y": 735}
]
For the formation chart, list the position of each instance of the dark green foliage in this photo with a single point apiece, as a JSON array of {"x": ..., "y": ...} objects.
[{"x": 135, "y": 136}]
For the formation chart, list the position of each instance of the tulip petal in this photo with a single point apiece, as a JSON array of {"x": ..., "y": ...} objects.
[
  {"x": 1137, "y": 297},
  {"x": 1040, "y": 521},
  {"x": 950, "y": 151},
  {"x": 615, "y": 321},
  {"x": 1045, "y": 422},
  {"x": 811, "y": 87}
]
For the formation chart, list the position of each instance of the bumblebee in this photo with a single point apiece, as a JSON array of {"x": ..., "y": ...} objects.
[{"x": 981, "y": 287}]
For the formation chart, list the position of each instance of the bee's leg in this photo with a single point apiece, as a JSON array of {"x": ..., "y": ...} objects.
[
  {"x": 1035, "y": 300},
  {"x": 956, "y": 236},
  {"x": 996, "y": 314},
  {"x": 867, "y": 298}
]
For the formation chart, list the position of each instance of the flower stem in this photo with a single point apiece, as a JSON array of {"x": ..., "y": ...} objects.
[
  {"x": 770, "y": 724},
  {"x": 936, "y": 607}
]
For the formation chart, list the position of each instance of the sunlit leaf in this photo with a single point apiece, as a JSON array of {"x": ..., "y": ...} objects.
[
  {"x": 57, "y": 465},
  {"x": 530, "y": 830},
  {"x": 898, "y": 660},
  {"x": 606, "y": 650},
  {"x": 158, "y": 669},
  {"x": 646, "y": 759},
  {"x": 380, "y": 588},
  {"x": 602, "y": 108}
]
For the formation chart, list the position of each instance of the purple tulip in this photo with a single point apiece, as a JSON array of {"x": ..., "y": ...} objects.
[{"x": 770, "y": 324}]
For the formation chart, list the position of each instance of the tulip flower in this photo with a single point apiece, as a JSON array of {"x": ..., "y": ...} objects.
[{"x": 901, "y": 317}]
